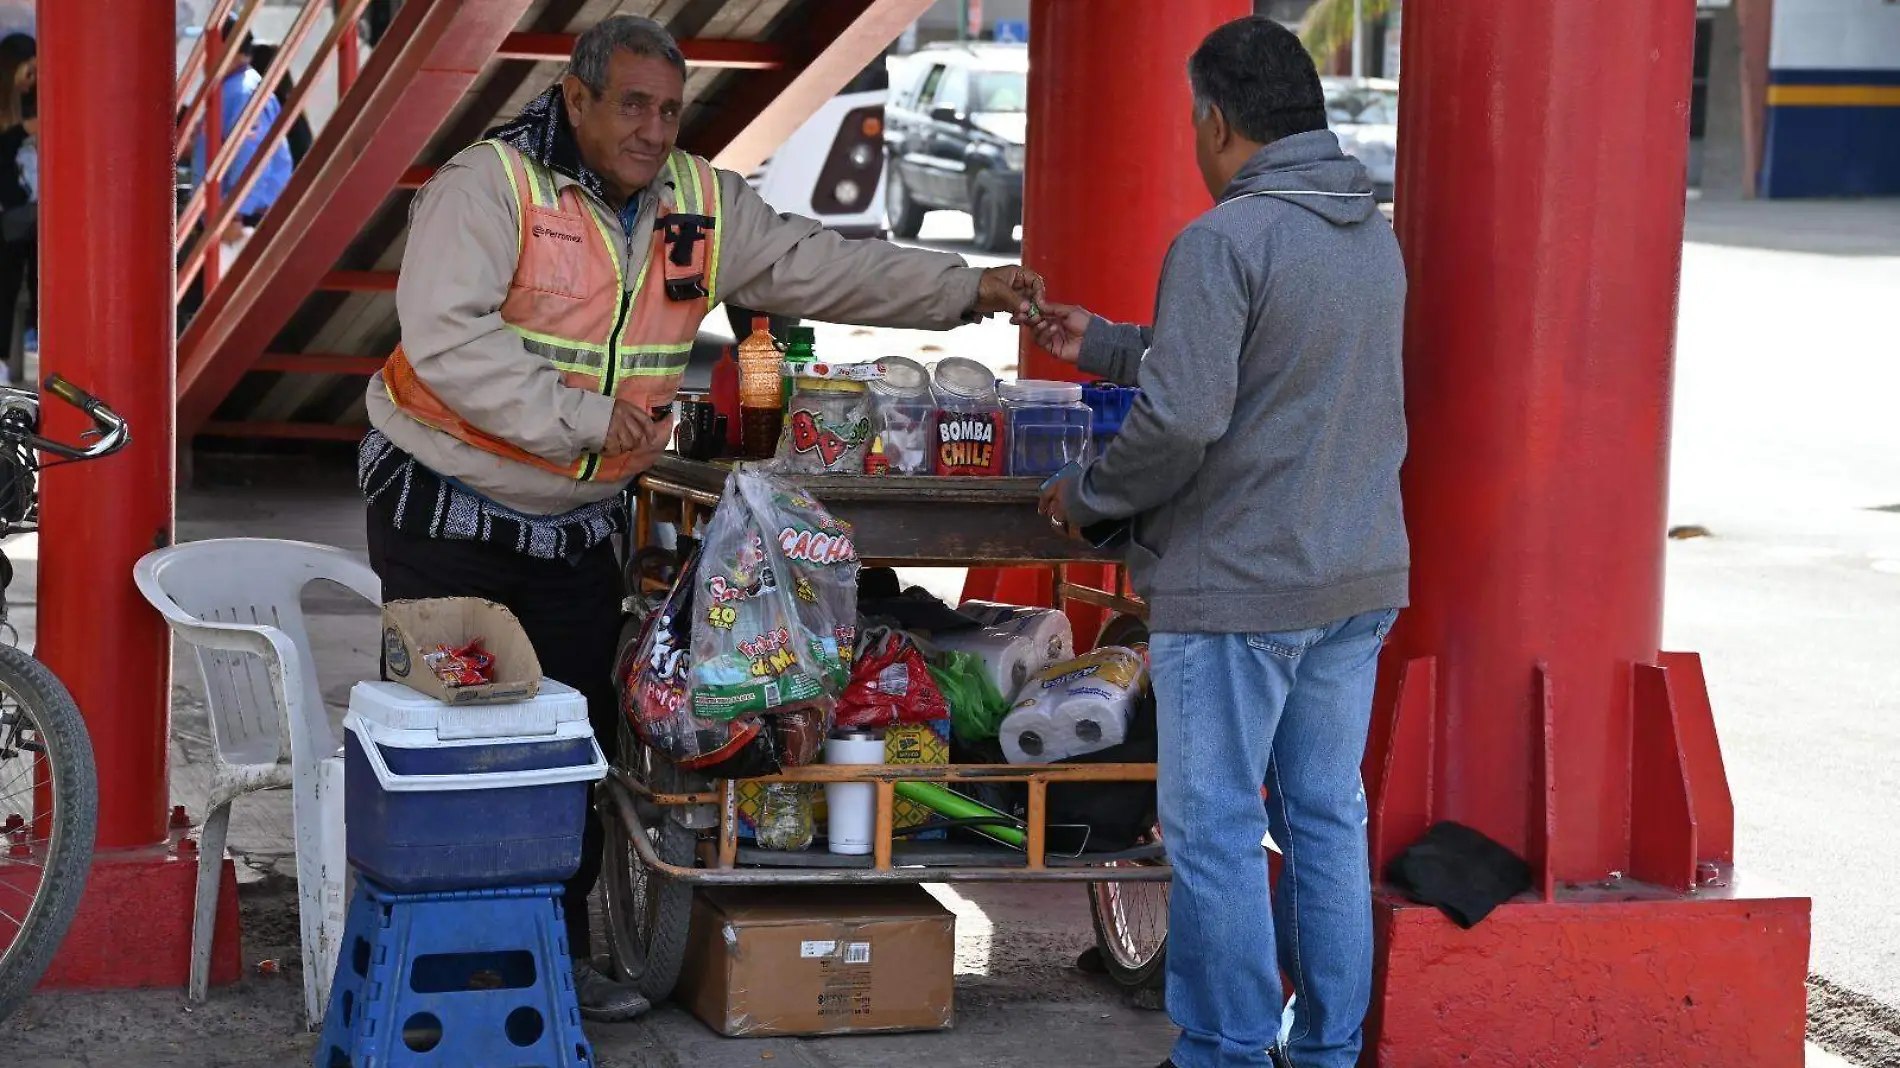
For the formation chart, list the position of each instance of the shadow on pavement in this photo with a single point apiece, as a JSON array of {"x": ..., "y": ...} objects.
[{"x": 1821, "y": 227}]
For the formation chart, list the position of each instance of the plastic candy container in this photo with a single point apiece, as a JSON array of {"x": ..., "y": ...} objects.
[
  {"x": 907, "y": 416},
  {"x": 1048, "y": 425},
  {"x": 828, "y": 425},
  {"x": 971, "y": 431}
]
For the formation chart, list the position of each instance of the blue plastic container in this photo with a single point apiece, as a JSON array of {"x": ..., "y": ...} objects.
[
  {"x": 1109, "y": 404},
  {"x": 457, "y": 798}
]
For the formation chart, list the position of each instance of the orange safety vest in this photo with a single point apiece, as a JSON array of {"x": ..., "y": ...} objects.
[{"x": 570, "y": 305}]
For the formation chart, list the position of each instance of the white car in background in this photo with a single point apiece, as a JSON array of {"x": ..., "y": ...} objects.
[
  {"x": 832, "y": 168},
  {"x": 1364, "y": 114}
]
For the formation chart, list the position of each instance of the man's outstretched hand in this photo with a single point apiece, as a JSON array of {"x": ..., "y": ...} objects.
[
  {"x": 1059, "y": 330},
  {"x": 1013, "y": 290}
]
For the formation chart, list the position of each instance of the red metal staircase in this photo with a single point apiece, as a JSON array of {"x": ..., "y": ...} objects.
[{"x": 286, "y": 334}]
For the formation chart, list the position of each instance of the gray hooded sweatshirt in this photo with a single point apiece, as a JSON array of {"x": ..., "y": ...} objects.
[{"x": 1261, "y": 464}]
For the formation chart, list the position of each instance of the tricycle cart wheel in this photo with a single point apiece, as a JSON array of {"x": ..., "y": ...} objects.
[
  {"x": 647, "y": 913},
  {"x": 1131, "y": 930},
  {"x": 1131, "y": 919}
]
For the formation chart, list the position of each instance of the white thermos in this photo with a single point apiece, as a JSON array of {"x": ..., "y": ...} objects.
[{"x": 851, "y": 808}]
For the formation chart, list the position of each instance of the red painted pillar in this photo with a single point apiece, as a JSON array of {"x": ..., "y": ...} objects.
[
  {"x": 1110, "y": 181},
  {"x": 106, "y": 298},
  {"x": 1541, "y": 190}
]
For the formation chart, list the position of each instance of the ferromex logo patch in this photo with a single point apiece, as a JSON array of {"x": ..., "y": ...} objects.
[{"x": 558, "y": 235}]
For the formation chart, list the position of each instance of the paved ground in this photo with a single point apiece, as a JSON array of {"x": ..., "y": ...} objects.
[{"x": 1785, "y": 451}]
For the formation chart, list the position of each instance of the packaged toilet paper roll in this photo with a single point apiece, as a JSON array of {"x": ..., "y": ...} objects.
[
  {"x": 1009, "y": 659},
  {"x": 1074, "y": 708},
  {"x": 1028, "y": 736},
  {"x": 1049, "y": 629}
]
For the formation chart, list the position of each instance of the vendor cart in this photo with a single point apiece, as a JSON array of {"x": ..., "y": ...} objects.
[{"x": 669, "y": 830}]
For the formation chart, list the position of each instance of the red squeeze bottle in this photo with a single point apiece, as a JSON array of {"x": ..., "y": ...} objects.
[{"x": 725, "y": 397}]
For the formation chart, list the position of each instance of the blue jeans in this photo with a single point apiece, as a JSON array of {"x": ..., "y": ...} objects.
[{"x": 1290, "y": 710}]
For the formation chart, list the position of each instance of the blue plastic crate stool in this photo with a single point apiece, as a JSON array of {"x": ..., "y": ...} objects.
[{"x": 466, "y": 978}]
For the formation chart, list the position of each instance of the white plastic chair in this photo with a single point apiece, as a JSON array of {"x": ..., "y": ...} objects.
[{"x": 238, "y": 602}]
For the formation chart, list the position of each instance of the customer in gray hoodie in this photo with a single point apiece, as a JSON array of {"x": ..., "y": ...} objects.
[{"x": 1260, "y": 470}]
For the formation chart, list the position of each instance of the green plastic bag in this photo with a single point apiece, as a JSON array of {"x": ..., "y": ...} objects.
[{"x": 976, "y": 709}]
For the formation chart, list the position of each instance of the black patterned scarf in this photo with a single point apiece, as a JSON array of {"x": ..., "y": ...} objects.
[{"x": 542, "y": 133}]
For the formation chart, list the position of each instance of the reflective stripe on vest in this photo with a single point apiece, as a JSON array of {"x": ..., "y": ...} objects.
[{"x": 569, "y": 303}]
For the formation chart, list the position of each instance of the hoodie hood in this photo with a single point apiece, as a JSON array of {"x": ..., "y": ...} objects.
[{"x": 1309, "y": 170}]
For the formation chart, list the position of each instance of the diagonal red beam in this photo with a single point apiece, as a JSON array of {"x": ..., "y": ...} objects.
[
  {"x": 317, "y": 363},
  {"x": 358, "y": 282},
  {"x": 432, "y": 53},
  {"x": 837, "y": 40},
  {"x": 700, "y": 51}
]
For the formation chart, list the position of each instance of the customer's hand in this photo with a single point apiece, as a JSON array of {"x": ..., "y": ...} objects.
[
  {"x": 631, "y": 427},
  {"x": 1052, "y": 505},
  {"x": 1014, "y": 290},
  {"x": 1059, "y": 329}
]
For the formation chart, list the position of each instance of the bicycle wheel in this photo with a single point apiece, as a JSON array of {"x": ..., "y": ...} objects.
[
  {"x": 1131, "y": 929},
  {"x": 49, "y": 800}
]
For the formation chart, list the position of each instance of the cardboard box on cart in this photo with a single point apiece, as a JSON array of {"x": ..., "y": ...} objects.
[
  {"x": 413, "y": 629},
  {"x": 819, "y": 960}
]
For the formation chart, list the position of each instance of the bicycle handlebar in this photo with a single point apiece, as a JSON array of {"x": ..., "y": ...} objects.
[{"x": 113, "y": 433}]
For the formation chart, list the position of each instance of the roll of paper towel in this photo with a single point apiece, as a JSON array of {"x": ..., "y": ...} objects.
[
  {"x": 1074, "y": 708},
  {"x": 1010, "y": 659}
]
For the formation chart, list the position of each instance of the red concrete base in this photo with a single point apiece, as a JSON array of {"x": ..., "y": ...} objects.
[
  {"x": 1627, "y": 977},
  {"x": 133, "y": 928}
]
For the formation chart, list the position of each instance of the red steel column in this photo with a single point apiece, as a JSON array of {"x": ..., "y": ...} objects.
[
  {"x": 1109, "y": 182},
  {"x": 1541, "y": 190},
  {"x": 106, "y": 297}
]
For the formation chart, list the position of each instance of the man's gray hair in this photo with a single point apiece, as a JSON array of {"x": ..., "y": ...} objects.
[{"x": 641, "y": 36}]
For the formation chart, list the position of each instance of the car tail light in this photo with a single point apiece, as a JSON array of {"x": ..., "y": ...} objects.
[{"x": 849, "y": 177}]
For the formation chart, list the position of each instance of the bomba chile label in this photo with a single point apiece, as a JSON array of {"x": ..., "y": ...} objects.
[{"x": 970, "y": 443}]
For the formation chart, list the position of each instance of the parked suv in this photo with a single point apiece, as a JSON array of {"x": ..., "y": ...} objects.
[{"x": 954, "y": 131}]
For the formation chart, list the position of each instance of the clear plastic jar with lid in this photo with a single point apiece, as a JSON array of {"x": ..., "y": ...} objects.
[
  {"x": 828, "y": 423},
  {"x": 906, "y": 416},
  {"x": 971, "y": 431},
  {"x": 1048, "y": 425}
]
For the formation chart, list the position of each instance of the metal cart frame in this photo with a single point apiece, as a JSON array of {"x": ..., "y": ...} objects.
[{"x": 907, "y": 521}]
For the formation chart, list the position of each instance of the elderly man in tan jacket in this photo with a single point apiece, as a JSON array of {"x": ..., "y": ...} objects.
[{"x": 555, "y": 276}]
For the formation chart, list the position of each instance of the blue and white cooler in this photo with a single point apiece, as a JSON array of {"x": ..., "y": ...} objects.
[{"x": 441, "y": 797}]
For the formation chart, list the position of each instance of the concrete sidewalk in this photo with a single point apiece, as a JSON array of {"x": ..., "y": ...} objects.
[{"x": 1019, "y": 998}]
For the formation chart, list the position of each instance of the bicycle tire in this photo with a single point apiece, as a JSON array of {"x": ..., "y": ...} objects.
[{"x": 68, "y": 748}]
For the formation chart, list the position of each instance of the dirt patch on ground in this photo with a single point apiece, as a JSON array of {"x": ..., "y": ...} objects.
[{"x": 1852, "y": 1025}]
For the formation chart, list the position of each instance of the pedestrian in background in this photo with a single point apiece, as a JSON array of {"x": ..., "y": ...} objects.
[
  {"x": 1260, "y": 469},
  {"x": 19, "y": 202},
  {"x": 234, "y": 93}
]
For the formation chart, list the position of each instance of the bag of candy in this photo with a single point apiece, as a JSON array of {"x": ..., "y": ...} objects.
[
  {"x": 775, "y": 623},
  {"x": 653, "y": 676}
]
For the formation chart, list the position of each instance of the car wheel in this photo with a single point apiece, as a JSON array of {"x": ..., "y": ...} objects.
[
  {"x": 906, "y": 215},
  {"x": 995, "y": 225}
]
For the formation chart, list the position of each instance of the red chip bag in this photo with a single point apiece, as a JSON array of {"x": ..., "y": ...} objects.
[{"x": 890, "y": 684}]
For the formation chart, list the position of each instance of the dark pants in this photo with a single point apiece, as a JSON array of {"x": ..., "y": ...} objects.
[
  {"x": 570, "y": 610},
  {"x": 19, "y": 269}
]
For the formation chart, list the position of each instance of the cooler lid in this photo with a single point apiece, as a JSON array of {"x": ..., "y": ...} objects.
[{"x": 397, "y": 707}]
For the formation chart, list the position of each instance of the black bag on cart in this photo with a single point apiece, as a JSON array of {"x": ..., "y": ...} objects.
[{"x": 1119, "y": 815}]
